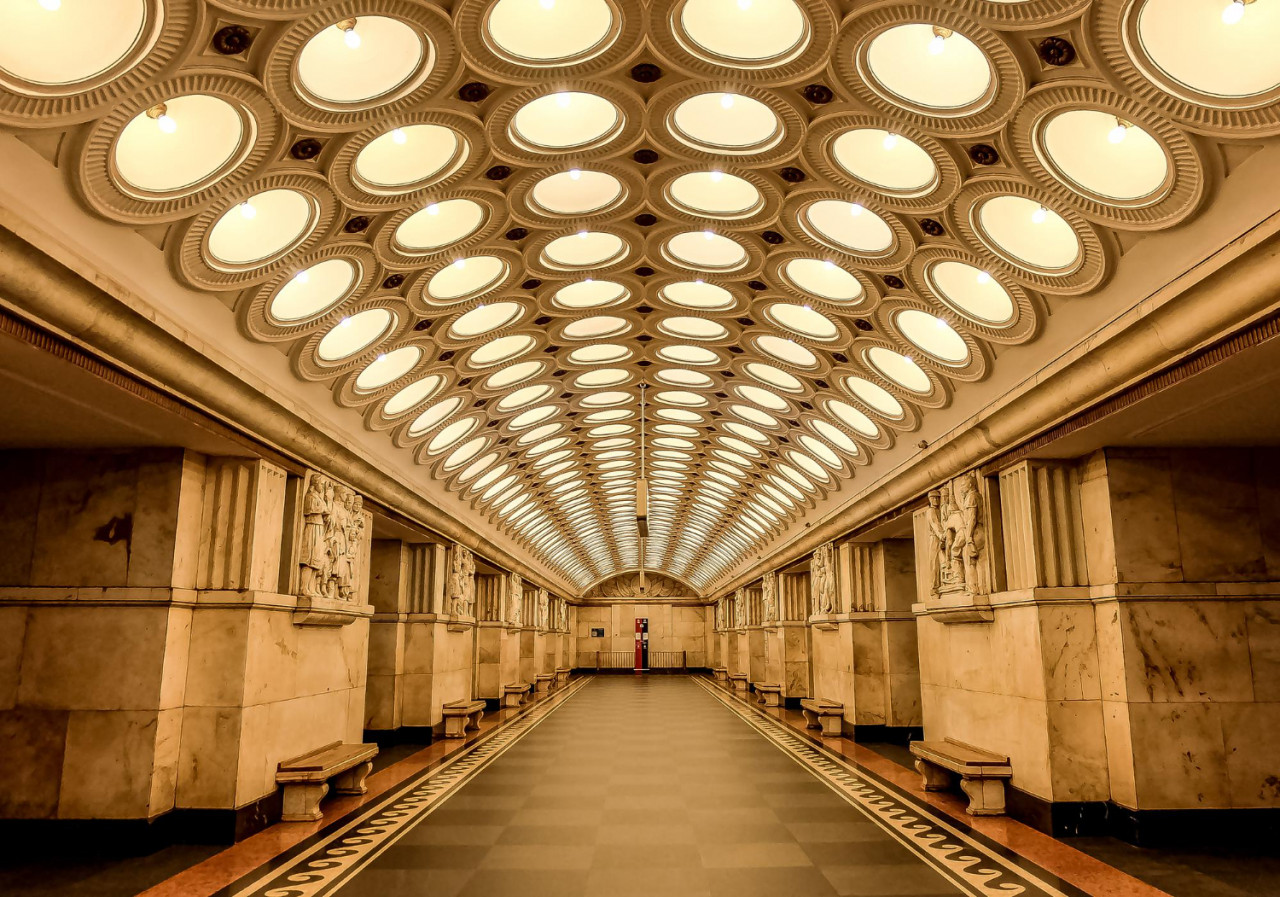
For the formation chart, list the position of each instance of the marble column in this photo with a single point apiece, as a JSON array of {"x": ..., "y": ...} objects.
[
  {"x": 757, "y": 660},
  {"x": 497, "y": 633},
  {"x": 787, "y": 643}
]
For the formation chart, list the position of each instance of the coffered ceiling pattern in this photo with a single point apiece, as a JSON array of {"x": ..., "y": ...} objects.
[{"x": 764, "y": 238}]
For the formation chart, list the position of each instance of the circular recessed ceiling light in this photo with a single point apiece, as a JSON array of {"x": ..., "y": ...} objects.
[
  {"x": 930, "y": 67},
  {"x": 354, "y": 334},
  {"x": 755, "y": 415},
  {"x": 407, "y": 157},
  {"x": 413, "y": 394},
  {"x": 466, "y": 277},
  {"x": 464, "y": 453},
  {"x": 452, "y": 435},
  {"x": 590, "y": 294},
  {"x": 439, "y": 225},
  {"x": 434, "y": 415},
  {"x": 835, "y": 436},
  {"x": 601, "y": 353},
  {"x": 388, "y": 368},
  {"x": 533, "y": 417},
  {"x": 1028, "y": 234},
  {"x": 504, "y": 348},
  {"x": 900, "y": 369},
  {"x": 595, "y": 328},
  {"x": 313, "y": 291},
  {"x": 876, "y": 397},
  {"x": 715, "y": 194},
  {"x": 564, "y": 121},
  {"x": 973, "y": 293},
  {"x": 885, "y": 160},
  {"x": 1216, "y": 49},
  {"x": 69, "y": 43},
  {"x": 746, "y": 31},
  {"x": 697, "y": 294},
  {"x": 852, "y": 418},
  {"x": 762, "y": 397},
  {"x": 265, "y": 225},
  {"x": 516, "y": 373},
  {"x": 682, "y": 377},
  {"x": 601, "y": 377},
  {"x": 363, "y": 59},
  {"x": 1108, "y": 157},
  {"x": 823, "y": 279},
  {"x": 726, "y": 122},
  {"x": 608, "y": 399},
  {"x": 585, "y": 249},
  {"x": 695, "y": 355},
  {"x": 771, "y": 376},
  {"x": 485, "y": 318},
  {"x": 706, "y": 251},
  {"x": 787, "y": 351},
  {"x": 849, "y": 226},
  {"x": 687, "y": 327},
  {"x": 180, "y": 145},
  {"x": 803, "y": 320},
  {"x": 575, "y": 192},
  {"x": 549, "y": 31},
  {"x": 933, "y": 336},
  {"x": 527, "y": 395}
]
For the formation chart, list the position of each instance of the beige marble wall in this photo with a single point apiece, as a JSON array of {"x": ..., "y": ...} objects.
[{"x": 672, "y": 627}]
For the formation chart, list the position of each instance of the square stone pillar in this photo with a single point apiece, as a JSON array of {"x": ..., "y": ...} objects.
[
  {"x": 787, "y": 643},
  {"x": 757, "y": 658},
  {"x": 497, "y": 637}
]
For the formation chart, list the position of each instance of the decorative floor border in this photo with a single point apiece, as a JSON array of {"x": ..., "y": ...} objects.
[
  {"x": 325, "y": 866},
  {"x": 973, "y": 868}
]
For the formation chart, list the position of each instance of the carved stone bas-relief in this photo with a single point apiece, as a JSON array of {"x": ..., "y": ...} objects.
[
  {"x": 769, "y": 596},
  {"x": 822, "y": 578},
  {"x": 740, "y": 609},
  {"x": 462, "y": 582},
  {"x": 515, "y": 598},
  {"x": 544, "y": 608},
  {"x": 957, "y": 533},
  {"x": 333, "y": 534},
  {"x": 628, "y": 585}
]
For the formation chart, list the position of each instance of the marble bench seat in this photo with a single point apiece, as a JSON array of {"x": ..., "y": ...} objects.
[
  {"x": 515, "y": 694},
  {"x": 982, "y": 773},
  {"x": 720, "y": 674},
  {"x": 544, "y": 682},
  {"x": 819, "y": 713},
  {"x": 768, "y": 693},
  {"x": 306, "y": 778},
  {"x": 460, "y": 716},
  {"x": 738, "y": 682},
  {"x": 562, "y": 676}
]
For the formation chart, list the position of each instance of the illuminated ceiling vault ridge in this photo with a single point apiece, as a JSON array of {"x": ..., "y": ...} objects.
[{"x": 487, "y": 226}]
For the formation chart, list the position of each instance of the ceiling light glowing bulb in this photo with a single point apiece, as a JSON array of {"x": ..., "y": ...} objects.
[
  {"x": 460, "y": 263},
  {"x": 1039, "y": 215},
  {"x": 547, "y": 4},
  {"x": 433, "y": 209},
  {"x": 707, "y": 235},
  {"x": 942, "y": 325},
  {"x": 247, "y": 211},
  {"x": 1118, "y": 133},
  {"x": 582, "y": 235},
  {"x": 349, "y": 36},
  {"x": 345, "y": 322},
  {"x": 160, "y": 113},
  {"x": 301, "y": 277},
  {"x": 984, "y": 277},
  {"x": 1233, "y": 12},
  {"x": 382, "y": 356},
  {"x": 562, "y": 100},
  {"x": 726, "y": 101},
  {"x": 717, "y": 176},
  {"x": 890, "y": 140},
  {"x": 908, "y": 359},
  {"x": 856, "y": 209},
  {"x": 399, "y": 137},
  {"x": 744, "y": 5},
  {"x": 51, "y": 5},
  {"x": 575, "y": 174}
]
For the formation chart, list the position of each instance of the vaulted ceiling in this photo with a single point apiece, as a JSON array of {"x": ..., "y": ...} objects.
[{"x": 733, "y": 247}]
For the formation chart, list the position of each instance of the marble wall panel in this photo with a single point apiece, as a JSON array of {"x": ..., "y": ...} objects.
[
  {"x": 13, "y": 632},
  {"x": 1250, "y": 735},
  {"x": 1263, "y": 624},
  {"x": 1180, "y": 759},
  {"x": 34, "y": 742},
  {"x": 1143, "y": 517},
  {"x": 109, "y": 764},
  {"x": 1185, "y": 651}
]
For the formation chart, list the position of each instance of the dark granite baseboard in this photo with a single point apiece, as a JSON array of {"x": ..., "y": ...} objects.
[
  {"x": 404, "y": 735},
  {"x": 878, "y": 734}
]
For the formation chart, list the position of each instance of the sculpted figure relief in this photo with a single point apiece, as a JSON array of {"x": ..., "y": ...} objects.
[
  {"x": 822, "y": 579},
  {"x": 563, "y": 607},
  {"x": 958, "y": 537},
  {"x": 544, "y": 606},
  {"x": 769, "y": 596},
  {"x": 740, "y": 609},
  {"x": 515, "y": 599},
  {"x": 332, "y": 537},
  {"x": 462, "y": 582}
]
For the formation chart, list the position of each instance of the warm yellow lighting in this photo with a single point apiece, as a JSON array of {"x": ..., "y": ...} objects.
[
  {"x": 248, "y": 212},
  {"x": 726, "y": 101},
  {"x": 856, "y": 209},
  {"x": 51, "y": 5},
  {"x": 1118, "y": 133},
  {"x": 1234, "y": 11},
  {"x": 160, "y": 112},
  {"x": 890, "y": 140},
  {"x": 399, "y": 137},
  {"x": 938, "y": 42},
  {"x": 349, "y": 36},
  {"x": 1039, "y": 215}
]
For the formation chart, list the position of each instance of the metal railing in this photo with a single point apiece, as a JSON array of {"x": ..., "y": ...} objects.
[
  {"x": 626, "y": 660},
  {"x": 668, "y": 660},
  {"x": 615, "y": 660}
]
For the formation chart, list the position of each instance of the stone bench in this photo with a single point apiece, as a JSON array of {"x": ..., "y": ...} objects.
[
  {"x": 721, "y": 675},
  {"x": 562, "y": 676},
  {"x": 515, "y": 694},
  {"x": 982, "y": 773},
  {"x": 459, "y": 716},
  {"x": 819, "y": 713},
  {"x": 768, "y": 694},
  {"x": 544, "y": 682},
  {"x": 738, "y": 682},
  {"x": 306, "y": 778}
]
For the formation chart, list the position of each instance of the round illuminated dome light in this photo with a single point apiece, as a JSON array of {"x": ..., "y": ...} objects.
[
  {"x": 875, "y": 396},
  {"x": 575, "y": 192},
  {"x": 466, "y": 277},
  {"x": 768, "y": 32},
  {"x": 68, "y": 43},
  {"x": 682, "y": 377},
  {"x": 823, "y": 279},
  {"x": 516, "y": 373},
  {"x": 697, "y": 294},
  {"x": 930, "y": 67},
  {"x": 972, "y": 292},
  {"x": 413, "y": 394},
  {"x": 1216, "y": 49},
  {"x": 407, "y": 157},
  {"x": 885, "y": 160},
  {"x": 852, "y": 418},
  {"x": 485, "y": 318},
  {"x": 596, "y": 328},
  {"x": 527, "y": 395},
  {"x": 180, "y": 145},
  {"x": 601, "y": 377},
  {"x": 434, "y": 415},
  {"x": 504, "y": 348},
  {"x": 762, "y": 397},
  {"x": 565, "y": 121},
  {"x": 900, "y": 369},
  {"x": 388, "y": 368},
  {"x": 787, "y": 351},
  {"x": 439, "y": 225},
  {"x": 803, "y": 320},
  {"x": 715, "y": 194},
  {"x": 726, "y": 122},
  {"x": 590, "y": 294},
  {"x": 549, "y": 31},
  {"x": 313, "y": 291},
  {"x": 362, "y": 59},
  {"x": 849, "y": 226},
  {"x": 600, "y": 353},
  {"x": 608, "y": 399},
  {"x": 1104, "y": 155},
  {"x": 688, "y": 327},
  {"x": 354, "y": 334},
  {"x": 933, "y": 336},
  {"x": 1029, "y": 234},
  {"x": 262, "y": 227},
  {"x": 771, "y": 376},
  {"x": 707, "y": 251},
  {"x": 585, "y": 249}
]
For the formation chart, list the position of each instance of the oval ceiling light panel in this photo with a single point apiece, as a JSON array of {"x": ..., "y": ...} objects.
[
  {"x": 1028, "y": 234},
  {"x": 746, "y": 31},
  {"x": 504, "y": 348},
  {"x": 585, "y": 249},
  {"x": 590, "y": 294},
  {"x": 693, "y": 328},
  {"x": 930, "y": 67},
  {"x": 359, "y": 60},
  {"x": 875, "y": 396},
  {"x": 565, "y": 121},
  {"x": 933, "y": 336},
  {"x": 388, "y": 368},
  {"x": 849, "y": 226},
  {"x": 313, "y": 291},
  {"x": 886, "y": 161},
  {"x": 439, "y": 225},
  {"x": 466, "y": 277},
  {"x": 823, "y": 279},
  {"x": 70, "y": 43},
  {"x": 1100, "y": 154},
  {"x": 265, "y": 225},
  {"x": 354, "y": 334},
  {"x": 787, "y": 351},
  {"x": 803, "y": 320},
  {"x": 545, "y": 32},
  {"x": 1193, "y": 44},
  {"x": 706, "y": 251},
  {"x": 575, "y": 192},
  {"x": 715, "y": 194},
  {"x": 596, "y": 328},
  {"x": 413, "y": 394},
  {"x": 485, "y": 318},
  {"x": 203, "y": 142},
  {"x": 726, "y": 122},
  {"x": 409, "y": 156},
  {"x": 516, "y": 373},
  {"x": 900, "y": 369},
  {"x": 972, "y": 292}
]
